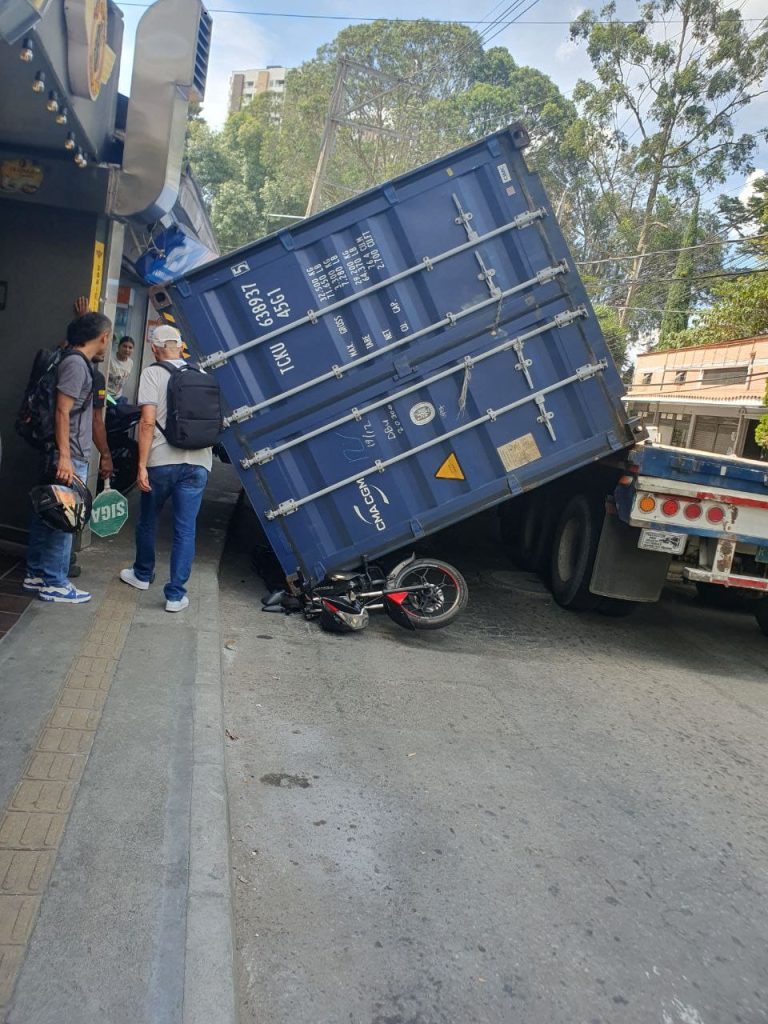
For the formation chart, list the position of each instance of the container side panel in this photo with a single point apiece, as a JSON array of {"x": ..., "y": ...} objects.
[{"x": 406, "y": 359}]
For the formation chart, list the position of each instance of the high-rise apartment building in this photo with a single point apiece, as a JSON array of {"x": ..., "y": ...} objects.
[{"x": 244, "y": 85}]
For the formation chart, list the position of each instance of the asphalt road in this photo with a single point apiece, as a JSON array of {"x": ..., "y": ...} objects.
[{"x": 531, "y": 817}]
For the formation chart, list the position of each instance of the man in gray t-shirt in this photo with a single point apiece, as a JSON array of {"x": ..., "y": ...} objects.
[{"x": 49, "y": 550}]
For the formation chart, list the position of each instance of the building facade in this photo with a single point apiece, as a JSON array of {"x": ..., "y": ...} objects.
[
  {"x": 244, "y": 85},
  {"x": 92, "y": 184},
  {"x": 708, "y": 397}
]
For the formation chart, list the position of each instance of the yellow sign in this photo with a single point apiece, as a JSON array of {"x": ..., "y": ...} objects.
[
  {"x": 450, "y": 470},
  {"x": 97, "y": 276}
]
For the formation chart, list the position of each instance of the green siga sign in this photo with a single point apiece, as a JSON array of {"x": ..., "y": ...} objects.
[{"x": 109, "y": 513}]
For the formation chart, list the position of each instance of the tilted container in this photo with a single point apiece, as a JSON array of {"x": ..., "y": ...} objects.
[{"x": 403, "y": 360}]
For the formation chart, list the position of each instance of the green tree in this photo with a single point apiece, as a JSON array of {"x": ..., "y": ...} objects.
[
  {"x": 616, "y": 336},
  {"x": 680, "y": 295},
  {"x": 739, "y": 310},
  {"x": 680, "y": 92}
]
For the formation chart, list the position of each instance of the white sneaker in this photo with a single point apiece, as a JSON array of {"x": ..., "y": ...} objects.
[
  {"x": 64, "y": 595},
  {"x": 129, "y": 576},
  {"x": 33, "y": 584},
  {"x": 177, "y": 606}
]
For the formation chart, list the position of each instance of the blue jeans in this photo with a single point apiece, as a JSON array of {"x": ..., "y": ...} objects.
[
  {"x": 184, "y": 485},
  {"x": 49, "y": 550}
]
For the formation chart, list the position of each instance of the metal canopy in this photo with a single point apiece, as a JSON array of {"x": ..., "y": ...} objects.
[{"x": 55, "y": 52}]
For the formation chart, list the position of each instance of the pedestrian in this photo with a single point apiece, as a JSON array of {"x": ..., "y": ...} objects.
[
  {"x": 120, "y": 368},
  {"x": 166, "y": 471},
  {"x": 77, "y": 424}
]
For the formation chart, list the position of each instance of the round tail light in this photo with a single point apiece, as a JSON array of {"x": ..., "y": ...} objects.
[
  {"x": 692, "y": 511},
  {"x": 647, "y": 503},
  {"x": 716, "y": 514},
  {"x": 670, "y": 507}
]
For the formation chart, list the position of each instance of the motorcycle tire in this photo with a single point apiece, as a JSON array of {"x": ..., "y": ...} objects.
[{"x": 427, "y": 613}]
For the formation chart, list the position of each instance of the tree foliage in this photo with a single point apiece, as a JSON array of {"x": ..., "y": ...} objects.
[{"x": 679, "y": 90}]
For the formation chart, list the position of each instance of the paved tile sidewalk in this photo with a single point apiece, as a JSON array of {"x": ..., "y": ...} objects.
[{"x": 114, "y": 869}]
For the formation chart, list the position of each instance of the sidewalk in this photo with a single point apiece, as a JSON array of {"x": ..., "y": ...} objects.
[{"x": 115, "y": 898}]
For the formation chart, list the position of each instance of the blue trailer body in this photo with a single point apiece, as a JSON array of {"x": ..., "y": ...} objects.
[
  {"x": 405, "y": 359},
  {"x": 704, "y": 469}
]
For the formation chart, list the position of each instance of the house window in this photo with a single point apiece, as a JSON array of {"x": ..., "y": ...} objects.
[
  {"x": 647, "y": 378},
  {"x": 680, "y": 377},
  {"x": 725, "y": 375}
]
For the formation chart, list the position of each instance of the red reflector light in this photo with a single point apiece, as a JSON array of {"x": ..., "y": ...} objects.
[
  {"x": 715, "y": 515},
  {"x": 692, "y": 511},
  {"x": 670, "y": 507},
  {"x": 398, "y": 597}
]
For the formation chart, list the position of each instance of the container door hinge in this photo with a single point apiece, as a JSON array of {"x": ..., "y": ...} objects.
[
  {"x": 546, "y": 417},
  {"x": 213, "y": 360},
  {"x": 238, "y": 415},
  {"x": 591, "y": 369},
  {"x": 258, "y": 458},
  {"x": 285, "y": 508}
]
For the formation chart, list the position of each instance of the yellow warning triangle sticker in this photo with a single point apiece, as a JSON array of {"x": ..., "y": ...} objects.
[{"x": 450, "y": 470}]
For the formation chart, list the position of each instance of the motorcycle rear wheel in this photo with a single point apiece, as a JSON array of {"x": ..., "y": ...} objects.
[{"x": 440, "y": 606}]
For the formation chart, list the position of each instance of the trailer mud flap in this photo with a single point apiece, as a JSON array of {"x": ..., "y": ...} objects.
[{"x": 624, "y": 571}]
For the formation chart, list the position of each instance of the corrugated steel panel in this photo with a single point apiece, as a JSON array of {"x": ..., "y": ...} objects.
[{"x": 406, "y": 359}]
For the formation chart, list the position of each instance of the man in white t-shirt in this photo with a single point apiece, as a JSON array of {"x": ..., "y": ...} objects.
[{"x": 165, "y": 472}]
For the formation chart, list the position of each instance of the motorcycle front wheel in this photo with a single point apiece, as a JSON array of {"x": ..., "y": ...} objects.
[{"x": 445, "y": 598}]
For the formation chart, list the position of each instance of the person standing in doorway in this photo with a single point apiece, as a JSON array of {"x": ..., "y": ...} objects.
[
  {"x": 165, "y": 472},
  {"x": 120, "y": 368},
  {"x": 77, "y": 426}
]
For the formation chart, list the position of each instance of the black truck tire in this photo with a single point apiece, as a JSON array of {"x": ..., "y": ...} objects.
[
  {"x": 573, "y": 553},
  {"x": 525, "y": 528}
]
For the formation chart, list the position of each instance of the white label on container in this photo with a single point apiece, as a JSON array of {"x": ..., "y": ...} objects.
[
  {"x": 240, "y": 268},
  {"x": 519, "y": 452},
  {"x": 504, "y": 173},
  {"x": 422, "y": 413}
]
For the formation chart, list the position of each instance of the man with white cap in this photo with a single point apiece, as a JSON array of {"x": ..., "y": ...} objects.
[{"x": 165, "y": 472}]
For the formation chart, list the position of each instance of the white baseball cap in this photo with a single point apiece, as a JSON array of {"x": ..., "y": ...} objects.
[{"x": 165, "y": 335}]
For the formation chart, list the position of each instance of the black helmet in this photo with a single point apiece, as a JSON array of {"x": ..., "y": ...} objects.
[
  {"x": 340, "y": 615},
  {"x": 63, "y": 508}
]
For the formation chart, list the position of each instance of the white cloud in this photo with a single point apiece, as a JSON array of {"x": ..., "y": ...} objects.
[
  {"x": 237, "y": 43},
  {"x": 749, "y": 185}
]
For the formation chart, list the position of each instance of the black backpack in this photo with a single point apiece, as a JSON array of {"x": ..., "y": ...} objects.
[
  {"x": 36, "y": 418},
  {"x": 195, "y": 412}
]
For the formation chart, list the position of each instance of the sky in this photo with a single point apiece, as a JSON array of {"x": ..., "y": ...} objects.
[{"x": 243, "y": 40}]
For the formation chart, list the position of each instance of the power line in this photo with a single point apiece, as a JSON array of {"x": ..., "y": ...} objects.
[
  {"x": 662, "y": 252},
  {"x": 676, "y": 280},
  {"x": 407, "y": 21}
]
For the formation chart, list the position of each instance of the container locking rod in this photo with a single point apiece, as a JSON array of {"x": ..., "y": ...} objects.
[
  {"x": 427, "y": 264},
  {"x": 380, "y": 465}
]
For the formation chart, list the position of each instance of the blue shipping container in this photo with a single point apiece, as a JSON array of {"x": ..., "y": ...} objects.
[{"x": 404, "y": 360}]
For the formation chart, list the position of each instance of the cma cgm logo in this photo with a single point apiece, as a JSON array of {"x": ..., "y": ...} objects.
[{"x": 373, "y": 500}]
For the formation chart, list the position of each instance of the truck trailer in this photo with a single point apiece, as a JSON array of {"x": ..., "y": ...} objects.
[{"x": 425, "y": 351}]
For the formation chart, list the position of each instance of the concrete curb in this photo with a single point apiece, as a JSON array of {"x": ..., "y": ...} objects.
[{"x": 209, "y": 978}]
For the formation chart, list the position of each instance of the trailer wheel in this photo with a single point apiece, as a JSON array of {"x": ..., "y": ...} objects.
[
  {"x": 524, "y": 527},
  {"x": 573, "y": 553},
  {"x": 761, "y": 614}
]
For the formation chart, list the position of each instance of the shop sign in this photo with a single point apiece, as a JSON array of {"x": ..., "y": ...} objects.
[
  {"x": 20, "y": 176},
  {"x": 90, "y": 58}
]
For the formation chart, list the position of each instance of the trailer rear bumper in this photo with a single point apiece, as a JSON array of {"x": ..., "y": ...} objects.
[{"x": 733, "y": 580}]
